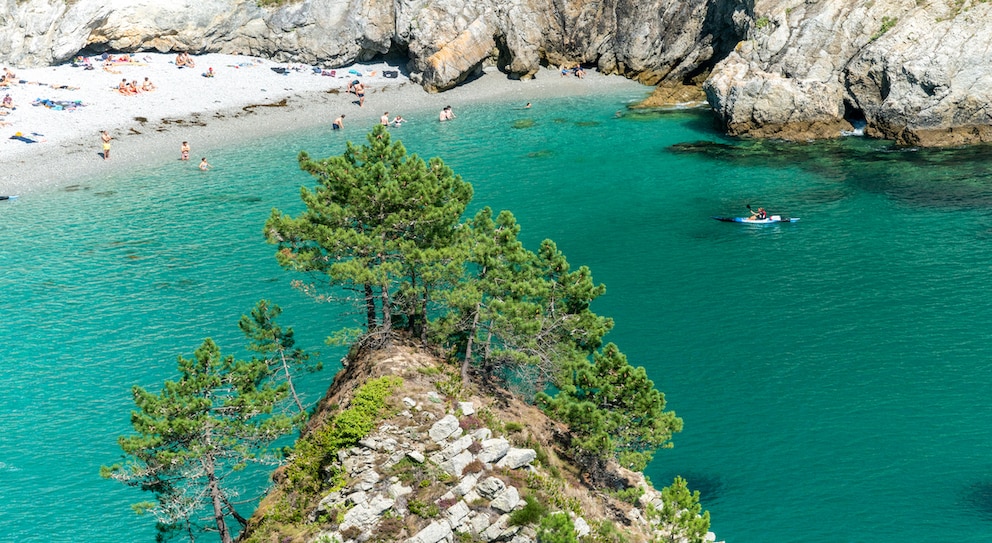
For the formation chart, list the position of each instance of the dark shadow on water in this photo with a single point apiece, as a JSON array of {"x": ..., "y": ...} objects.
[
  {"x": 697, "y": 119},
  {"x": 710, "y": 487},
  {"x": 978, "y": 498},
  {"x": 959, "y": 178}
]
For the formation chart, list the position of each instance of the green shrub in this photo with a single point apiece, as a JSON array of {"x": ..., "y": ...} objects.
[
  {"x": 423, "y": 509},
  {"x": 629, "y": 495},
  {"x": 531, "y": 513},
  {"x": 607, "y": 532},
  {"x": 556, "y": 528}
]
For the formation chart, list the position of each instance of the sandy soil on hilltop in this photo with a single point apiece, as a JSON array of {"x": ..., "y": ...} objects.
[{"x": 245, "y": 99}]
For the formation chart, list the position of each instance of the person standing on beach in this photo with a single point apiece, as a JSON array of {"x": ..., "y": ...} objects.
[
  {"x": 338, "y": 123},
  {"x": 360, "y": 93},
  {"x": 204, "y": 166},
  {"x": 384, "y": 120},
  {"x": 105, "y": 138},
  {"x": 184, "y": 151}
]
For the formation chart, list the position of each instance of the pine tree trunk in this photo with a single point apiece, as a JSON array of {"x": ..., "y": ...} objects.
[
  {"x": 369, "y": 307},
  {"x": 213, "y": 487},
  {"x": 423, "y": 318},
  {"x": 387, "y": 314},
  {"x": 468, "y": 345},
  {"x": 289, "y": 381}
]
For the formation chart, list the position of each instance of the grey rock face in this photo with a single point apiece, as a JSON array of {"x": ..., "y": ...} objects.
[
  {"x": 493, "y": 449},
  {"x": 434, "y": 532},
  {"x": 444, "y": 428},
  {"x": 516, "y": 458},
  {"x": 506, "y": 501},
  {"x": 920, "y": 73},
  {"x": 445, "y": 40}
]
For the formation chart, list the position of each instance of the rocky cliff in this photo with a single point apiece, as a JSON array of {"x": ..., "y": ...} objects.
[
  {"x": 919, "y": 72},
  {"x": 441, "y": 464}
]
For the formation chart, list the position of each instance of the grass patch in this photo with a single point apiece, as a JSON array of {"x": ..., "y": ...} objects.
[{"x": 315, "y": 455}]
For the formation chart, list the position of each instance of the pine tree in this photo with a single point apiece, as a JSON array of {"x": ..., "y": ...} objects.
[
  {"x": 613, "y": 411},
  {"x": 493, "y": 297},
  {"x": 680, "y": 514},
  {"x": 214, "y": 420},
  {"x": 276, "y": 347},
  {"x": 379, "y": 222}
]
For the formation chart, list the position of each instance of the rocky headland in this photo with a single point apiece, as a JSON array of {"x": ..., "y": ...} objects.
[
  {"x": 442, "y": 464},
  {"x": 913, "y": 71}
]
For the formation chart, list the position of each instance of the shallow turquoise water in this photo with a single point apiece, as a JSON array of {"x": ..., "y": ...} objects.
[{"x": 832, "y": 374}]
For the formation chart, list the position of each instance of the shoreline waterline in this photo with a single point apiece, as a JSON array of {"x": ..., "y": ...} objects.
[{"x": 238, "y": 105}]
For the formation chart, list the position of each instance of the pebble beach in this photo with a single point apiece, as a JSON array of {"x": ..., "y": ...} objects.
[{"x": 52, "y": 135}]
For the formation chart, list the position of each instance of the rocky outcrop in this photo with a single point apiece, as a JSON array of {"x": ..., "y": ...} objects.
[
  {"x": 916, "y": 73},
  {"x": 446, "y": 40},
  {"x": 437, "y": 470},
  {"x": 919, "y": 73}
]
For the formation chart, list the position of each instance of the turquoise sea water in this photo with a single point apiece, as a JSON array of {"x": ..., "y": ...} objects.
[{"x": 833, "y": 374}]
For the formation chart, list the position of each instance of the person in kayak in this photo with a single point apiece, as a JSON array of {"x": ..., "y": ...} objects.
[{"x": 759, "y": 215}]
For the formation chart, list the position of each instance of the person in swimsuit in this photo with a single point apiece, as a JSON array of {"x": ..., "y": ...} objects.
[
  {"x": 184, "y": 151},
  {"x": 105, "y": 138},
  {"x": 338, "y": 123},
  {"x": 360, "y": 92}
]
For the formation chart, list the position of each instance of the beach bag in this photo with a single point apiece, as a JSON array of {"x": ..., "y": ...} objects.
[
  {"x": 280, "y": 70},
  {"x": 392, "y": 74}
]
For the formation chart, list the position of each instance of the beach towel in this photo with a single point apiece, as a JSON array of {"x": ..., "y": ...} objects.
[
  {"x": 25, "y": 139},
  {"x": 329, "y": 73},
  {"x": 354, "y": 72},
  {"x": 58, "y": 105},
  {"x": 280, "y": 70}
]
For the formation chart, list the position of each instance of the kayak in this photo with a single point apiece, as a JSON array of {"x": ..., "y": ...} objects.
[
  {"x": 8, "y": 197},
  {"x": 770, "y": 220}
]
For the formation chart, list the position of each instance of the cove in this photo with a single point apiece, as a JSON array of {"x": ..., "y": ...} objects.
[{"x": 831, "y": 373}]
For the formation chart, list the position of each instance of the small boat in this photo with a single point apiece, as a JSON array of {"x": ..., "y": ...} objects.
[
  {"x": 8, "y": 197},
  {"x": 771, "y": 219}
]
